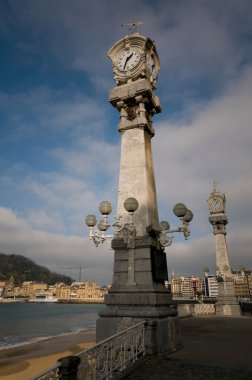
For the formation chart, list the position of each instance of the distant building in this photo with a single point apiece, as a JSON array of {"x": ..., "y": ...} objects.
[
  {"x": 2, "y": 286},
  {"x": 187, "y": 287},
  {"x": 176, "y": 286},
  {"x": 89, "y": 289},
  {"x": 86, "y": 289},
  {"x": 63, "y": 291},
  {"x": 243, "y": 283},
  {"x": 31, "y": 288},
  {"x": 211, "y": 286}
]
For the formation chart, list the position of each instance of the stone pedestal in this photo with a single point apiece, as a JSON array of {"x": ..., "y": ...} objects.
[
  {"x": 139, "y": 294},
  {"x": 227, "y": 304},
  {"x": 161, "y": 334}
]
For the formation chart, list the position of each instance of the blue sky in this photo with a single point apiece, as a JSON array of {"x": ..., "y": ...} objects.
[{"x": 59, "y": 145}]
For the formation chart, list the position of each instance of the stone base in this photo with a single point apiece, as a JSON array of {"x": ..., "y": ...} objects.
[
  {"x": 161, "y": 334},
  {"x": 139, "y": 294},
  {"x": 228, "y": 310},
  {"x": 227, "y": 304}
]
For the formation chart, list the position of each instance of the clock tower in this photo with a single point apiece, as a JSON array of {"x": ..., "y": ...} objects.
[
  {"x": 135, "y": 65},
  {"x": 226, "y": 304},
  {"x": 138, "y": 291}
]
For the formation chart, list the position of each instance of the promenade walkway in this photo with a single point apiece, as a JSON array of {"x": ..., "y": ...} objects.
[{"x": 216, "y": 348}]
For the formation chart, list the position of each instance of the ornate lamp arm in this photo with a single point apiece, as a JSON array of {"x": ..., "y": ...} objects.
[
  {"x": 185, "y": 216},
  {"x": 127, "y": 229}
]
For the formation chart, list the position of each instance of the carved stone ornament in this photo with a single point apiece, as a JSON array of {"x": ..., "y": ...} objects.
[
  {"x": 164, "y": 239},
  {"x": 128, "y": 235},
  {"x": 131, "y": 112}
]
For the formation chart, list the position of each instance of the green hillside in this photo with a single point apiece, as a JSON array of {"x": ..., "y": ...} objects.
[{"x": 24, "y": 269}]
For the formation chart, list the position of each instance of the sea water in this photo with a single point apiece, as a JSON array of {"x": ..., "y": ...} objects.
[{"x": 22, "y": 323}]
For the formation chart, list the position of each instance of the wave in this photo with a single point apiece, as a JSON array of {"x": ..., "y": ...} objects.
[{"x": 37, "y": 339}]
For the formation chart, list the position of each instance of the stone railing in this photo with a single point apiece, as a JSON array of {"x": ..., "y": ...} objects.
[
  {"x": 185, "y": 310},
  {"x": 204, "y": 309},
  {"x": 196, "y": 310},
  {"x": 111, "y": 358}
]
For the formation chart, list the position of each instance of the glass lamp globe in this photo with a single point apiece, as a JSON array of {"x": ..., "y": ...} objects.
[
  {"x": 179, "y": 210},
  {"x": 105, "y": 208},
  {"x": 131, "y": 205},
  {"x": 164, "y": 225},
  {"x": 90, "y": 220},
  {"x": 188, "y": 216},
  {"x": 102, "y": 226}
]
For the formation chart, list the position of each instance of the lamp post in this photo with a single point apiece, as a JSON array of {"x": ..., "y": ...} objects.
[{"x": 131, "y": 205}]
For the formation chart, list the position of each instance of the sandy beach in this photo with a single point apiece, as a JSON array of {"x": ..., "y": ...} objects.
[{"x": 27, "y": 361}]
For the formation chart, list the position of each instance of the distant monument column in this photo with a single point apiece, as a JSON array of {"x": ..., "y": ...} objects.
[{"x": 227, "y": 304}]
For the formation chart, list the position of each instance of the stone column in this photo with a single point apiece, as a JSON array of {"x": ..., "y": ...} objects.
[
  {"x": 226, "y": 304},
  {"x": 138, "y": 290}
]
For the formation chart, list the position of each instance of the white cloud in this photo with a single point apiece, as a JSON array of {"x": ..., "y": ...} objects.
[
  {"x": 216, "y": 144},
  {"x": 54, "y": 251},
  {"x": 89, "y": 158},
  {"x": 43, "y": 112},
  {"x": 205, "y": 56}
]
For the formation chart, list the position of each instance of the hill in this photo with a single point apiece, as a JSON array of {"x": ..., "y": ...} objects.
[{"x": 24, "y": 269}]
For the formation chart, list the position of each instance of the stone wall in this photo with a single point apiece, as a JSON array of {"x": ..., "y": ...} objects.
[
  {"x": 204, "y": 309},
  {"x": 189, "y": 310}
]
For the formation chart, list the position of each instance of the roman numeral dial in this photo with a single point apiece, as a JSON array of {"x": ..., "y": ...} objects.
[{"x": 128, "y": 59}]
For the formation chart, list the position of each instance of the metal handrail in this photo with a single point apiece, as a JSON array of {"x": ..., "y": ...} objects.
[
  {"x": 51, "y": 373},
  {"x": 106, "y": 360},
  {"x": 110, "y": 357}
]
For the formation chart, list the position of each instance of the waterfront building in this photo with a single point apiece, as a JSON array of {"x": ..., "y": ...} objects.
[
  {"x": 86, "y": 289},
  {"x": 89, "y": 289},
  {"x": 211, "y": 286},
  {"x": 31, "y": 288},
  {"x": 176, "y": 286},
  {"x": 63, "y": 291},
  {"x": 187, "y": 287},
  {"x": 2, "y": 286},
  {"x": 243, "y": 283}
]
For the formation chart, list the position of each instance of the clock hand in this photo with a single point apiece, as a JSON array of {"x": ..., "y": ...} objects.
[
  {"x": 129, "y": 54},
  {"x": 125, "y": 57}
]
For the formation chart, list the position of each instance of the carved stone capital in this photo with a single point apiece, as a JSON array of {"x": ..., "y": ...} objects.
[
  {"x": 133, "y": 93},
  {"x": 218, "y": 222},
  {"x": 145, "y": 241},
  {"x": 118, "y": 243},
  {"x": 214, "y": 219}
]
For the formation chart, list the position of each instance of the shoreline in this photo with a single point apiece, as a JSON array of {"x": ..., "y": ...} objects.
[
  {"x": 37, "y": 340},
  {"x": 26, "y": 361}
]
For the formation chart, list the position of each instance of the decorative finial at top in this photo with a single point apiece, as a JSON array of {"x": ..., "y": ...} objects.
[
  {"x": 215, "y": 186},
  {"x": 134, "y": 25}
]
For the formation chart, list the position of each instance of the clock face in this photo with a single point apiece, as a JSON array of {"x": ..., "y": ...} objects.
[
  {"x": 128, "y": 59},
  {"x": 216, "y": 205}
]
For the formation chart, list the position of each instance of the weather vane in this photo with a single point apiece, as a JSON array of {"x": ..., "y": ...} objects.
[
  {"x": 134, "y": 25},
  {"x": 215, "y": 186}
]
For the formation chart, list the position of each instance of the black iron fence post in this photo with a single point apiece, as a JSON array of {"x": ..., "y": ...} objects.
[{"x": 69, "y": 367}]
